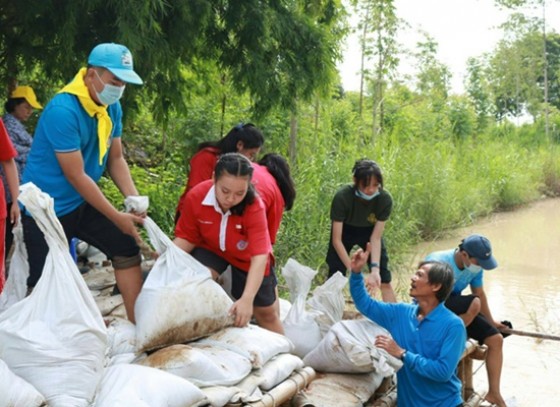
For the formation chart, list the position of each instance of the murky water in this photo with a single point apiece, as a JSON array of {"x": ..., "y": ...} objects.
[{"x": 524, "y": 289}]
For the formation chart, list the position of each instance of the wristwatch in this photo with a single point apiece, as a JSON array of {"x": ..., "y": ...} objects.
[
  {"x": 402, "y": 355},
  {"x": 373, "y": 264}
]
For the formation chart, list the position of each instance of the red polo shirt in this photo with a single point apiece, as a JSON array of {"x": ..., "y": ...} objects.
[
  {"x": 274, "y": 204},
  {"x": 235, "y": 238},
  {"x": 7, "y": 152},
  {"x": 201, "y": 168}
]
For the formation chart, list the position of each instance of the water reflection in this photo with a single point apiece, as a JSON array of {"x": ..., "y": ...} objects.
[{"x": 525, "y": 289}]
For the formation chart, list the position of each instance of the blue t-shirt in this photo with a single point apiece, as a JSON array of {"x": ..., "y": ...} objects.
[
  {"x": 463, "y": 278},
  {"x": 433, "y": 348},
  {"x": 65, "y": 126}
]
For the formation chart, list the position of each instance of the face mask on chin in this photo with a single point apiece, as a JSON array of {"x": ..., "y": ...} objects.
[
  {"x": 110, "y": 93},
  {"x": 366, "y": 197}
]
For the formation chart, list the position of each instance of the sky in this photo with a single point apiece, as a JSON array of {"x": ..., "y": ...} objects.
[{"x": 462, "y": 29}]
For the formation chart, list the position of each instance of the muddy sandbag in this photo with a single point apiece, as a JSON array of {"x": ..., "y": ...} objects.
[
  {"x": 219, "y": 396},
  {"x": 99, "y": 278},
  {"x": 16, "y": 392},
  {"x": 341, "y": 390},
  {"x": 121, "y": 338},
  {"x": 179, "y": 301},
  {"x": 252, "y": 341},
  {"x": 141, "y": 386},
  {"x": 202, "y": 365},
  {"x": 108, "y": 303},
  {"x": 349, "y": 347}
]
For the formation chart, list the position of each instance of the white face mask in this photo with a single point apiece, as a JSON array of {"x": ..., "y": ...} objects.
[
  {"x": 110, "y": 93},
  {"x": 365, "y": 196},
  {"x": 473, "y": 268}
]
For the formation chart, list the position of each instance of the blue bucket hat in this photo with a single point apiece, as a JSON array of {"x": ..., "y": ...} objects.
[
  {"x": 117, "y": 59},
  {"x": 479, "y": 247}
]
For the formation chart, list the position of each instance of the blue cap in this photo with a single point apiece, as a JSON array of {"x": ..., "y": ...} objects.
[
  {"x": 117, "y": 59},
  {"x": 479, "y": 247}
]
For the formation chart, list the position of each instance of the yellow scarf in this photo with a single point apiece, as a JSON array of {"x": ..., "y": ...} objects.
[{"x": 104, "y": 124}]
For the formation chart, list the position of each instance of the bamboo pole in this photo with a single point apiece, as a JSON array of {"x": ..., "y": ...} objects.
[
  {"x": 537, "y": 335},
  {"x": 287, "y": 389}
]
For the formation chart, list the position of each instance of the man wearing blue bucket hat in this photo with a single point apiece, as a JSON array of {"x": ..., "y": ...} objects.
[
  {"x": 468, "y": 261},
  {"x": 77, "y": 138}
]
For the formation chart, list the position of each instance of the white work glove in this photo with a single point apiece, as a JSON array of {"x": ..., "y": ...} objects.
[{"x": 137, "y": 204}]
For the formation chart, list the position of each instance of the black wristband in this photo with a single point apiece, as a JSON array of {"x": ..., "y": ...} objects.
[{"x": 373, "y": 264}]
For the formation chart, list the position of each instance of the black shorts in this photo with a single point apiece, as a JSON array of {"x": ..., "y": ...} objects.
[
  {"x": 266, "y": 295},
  {"x": 87, "y": 224},
  {"x": 360, "y": 236},
  {"x": 479, "y": 328}
]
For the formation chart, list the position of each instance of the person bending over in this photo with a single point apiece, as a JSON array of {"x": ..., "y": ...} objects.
[{"x": 223, "y": 223}]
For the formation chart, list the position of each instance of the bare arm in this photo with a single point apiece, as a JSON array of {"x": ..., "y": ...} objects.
[
  {"x": 118, "y": 169},
  {"x": 72, "y": 165},
  {"x": 184, "y": 244},
  {"x": 10, "y": 169},
  {"x": 338, "y": 245},
  {"x": 243, "y": 307},
  {"x": 373, "y": 281}
]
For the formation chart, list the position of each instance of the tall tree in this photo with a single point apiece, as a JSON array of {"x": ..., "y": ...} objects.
[
  {"x": 276, "y": 50},
  {"x": 378, "y": 26}
]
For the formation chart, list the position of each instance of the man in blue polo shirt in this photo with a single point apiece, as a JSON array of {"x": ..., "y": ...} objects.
[
  {"x": 76, "y": 140},
  {"x": 468, "y": 261},
  {"x": 427, "y": 337}
]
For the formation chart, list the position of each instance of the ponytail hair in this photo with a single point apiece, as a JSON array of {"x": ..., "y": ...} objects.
[
  {"x": 278, "y": 167},
  {"x": 248, "y": 134},
  {"x": 239, "y": 166}
]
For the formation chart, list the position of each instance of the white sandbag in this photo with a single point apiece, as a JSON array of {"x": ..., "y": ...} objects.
[
  {"x": 257, "y": 343},
  {"x": 278, "y": 369},
  {"x": 202, "y": 365},
  {"x": 121, "y": 336},
  {"x": 16, "y": 284},
  {"x": 141, "y": 386},
  {"x": 328, "y": 302},
  {"x": 300, "y": 325},
  {"x": 99, "y": 278},
  {"x": 248, "y": 390},
  {"x": 108, "y": 303},
  {"x": 55, "y": 338},
  {"x": 179, "y": 300},
  {"x": 219, "y": 396},
  {"x": 349, "y": 348},
  {"x": 285, "y": 307},
  {"x": 342, "y": 390},
  {"x": 16, "y": 392}
]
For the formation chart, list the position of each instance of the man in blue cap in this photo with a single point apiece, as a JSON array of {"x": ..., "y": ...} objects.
[
  {"x": 468, "y": 261},
  {"x": 77, "y": 138}
]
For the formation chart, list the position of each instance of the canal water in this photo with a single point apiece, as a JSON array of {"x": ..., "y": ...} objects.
[{"x": 524, "y": 289}]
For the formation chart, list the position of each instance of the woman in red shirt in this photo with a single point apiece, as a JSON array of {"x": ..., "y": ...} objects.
[
  {"x": 223, "y": 223},
  {"x": 275, "y": 186},
  {"x": 243, "y": 138},
  {"x": 7, "y": 154}
]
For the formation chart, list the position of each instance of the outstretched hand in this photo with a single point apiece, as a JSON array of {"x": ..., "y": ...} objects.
[{"x": 359, "y": 259}]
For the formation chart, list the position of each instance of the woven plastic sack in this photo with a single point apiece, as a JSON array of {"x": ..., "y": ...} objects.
[
  {"x": 300, "y": 325},
  {"x": 179, "y": 301},
  {"x": 16, "y": 392},
  {"x": 55, "y": 339},
  {"x": 16, "y": 284}
]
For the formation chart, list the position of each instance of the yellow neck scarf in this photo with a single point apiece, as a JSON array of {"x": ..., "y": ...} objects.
[{"x": 104, "y": 124}]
